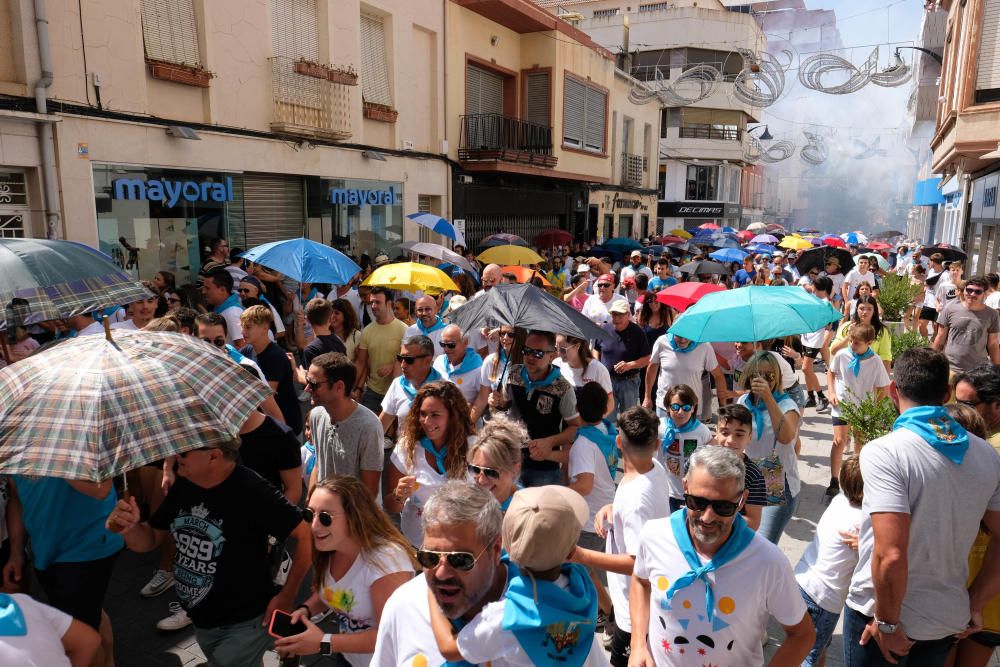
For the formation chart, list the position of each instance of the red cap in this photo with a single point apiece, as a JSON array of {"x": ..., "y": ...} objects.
[{"x": 608, "y": 277}]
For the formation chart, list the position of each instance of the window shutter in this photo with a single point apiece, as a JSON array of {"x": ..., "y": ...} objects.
[
  {"x": 574, "y": 101},
  {"x": 293, "y": 29},
  {"x": 374, "y": 69},
  {"x": 537, "y": 103},
  {"x": 169, "y": 31},
  {"x": 596, "y": 113},
  {"x": 484, "y": 92},
  {"x": 988, "y": 72}
]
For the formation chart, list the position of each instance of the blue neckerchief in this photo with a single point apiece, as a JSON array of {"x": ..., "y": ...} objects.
[
  {"x": 505, "y": 504},
  {"x": 606, "y": 442},
  {"x": 855, "y": 363},
  {"x": 313, "y": 293},
  {"x": 444, "y": 306},
  {"x": 427, "y": 331},
  {"x": 408, "y": 387},
  {"x": 232, "y": 301},
  {"x": 935, "y": 425},
  {"x": 670, "y": 431},
  {"x": 11, "y": 618},
  {"x": 552, "y": 625},
  {"x": 530, "y": 385},
  {"x": 758, "y": 409},
  {"x": 235, "y": 354},
  {"x": 457, "y": 624},
  {"x": 439, "y": 454},
  {"x": 470, "y": 362},
  {"x": 737, "y": 541},
  {"x": 681, "y": 350}
]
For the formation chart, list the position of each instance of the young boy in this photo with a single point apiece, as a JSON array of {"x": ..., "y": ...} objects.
[
  {"x": 640, "y": 498},
  {"x": 734, "y": 430},
  {"x": 855, "y": 373},
  {"x": 824, "y": 571},
  {"x": 556, "y": 602}
]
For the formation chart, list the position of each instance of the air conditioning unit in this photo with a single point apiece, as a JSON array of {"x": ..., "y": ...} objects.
[
  {"x": 465, "y": 179},
  {"x": 407, "y": 145}
]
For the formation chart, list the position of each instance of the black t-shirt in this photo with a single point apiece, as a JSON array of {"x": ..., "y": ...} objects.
[
  {"x": 276, "y": 368},
  {"x": 269, "y": 449},
  {"x": 221, "y": 563},
  {"x": 626, "y": 345},
  {"x": 323, "y": 344}
]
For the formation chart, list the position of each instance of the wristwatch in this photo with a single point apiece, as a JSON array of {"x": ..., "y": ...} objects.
[
  {"x": 324, "y": 645},
  {"x": 886, "y": 628}
]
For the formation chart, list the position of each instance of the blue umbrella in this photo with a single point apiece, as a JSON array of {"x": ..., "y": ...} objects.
[
  {"x": 754, "y": 313},
  {"x": 854, "y": 238},
  {"x": 761, "y": 248},
  {"x": 728, "y": 255},
  {"x": 436, "y": 223},
  {"x": 304, "y": 261},
  {"x": 622, "y": 244},
  {"x": 603, "y": 251},
  {"x": 728, "y": 230}
]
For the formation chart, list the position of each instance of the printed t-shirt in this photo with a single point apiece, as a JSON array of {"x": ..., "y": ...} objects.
[
  {"x": 674, "y": 457},
  {"x": 405, "y": 638},
  {"x": 382, "y": 342},
  {"x": 762, "y": 447}
]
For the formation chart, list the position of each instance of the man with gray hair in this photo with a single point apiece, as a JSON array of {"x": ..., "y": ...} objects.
[
  {"x": 462, "y": 569},
  {"x": 416, "y": 356},
  {"x": 460, "y": 364},
  {"x": 718, "y": 617}
]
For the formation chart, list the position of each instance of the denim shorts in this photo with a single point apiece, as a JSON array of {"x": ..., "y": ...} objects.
[
  {"x": 235, "y": 645},
  {"x": 825, "y": 623}
]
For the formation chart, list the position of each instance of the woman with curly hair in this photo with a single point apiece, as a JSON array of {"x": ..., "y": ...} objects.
[
  {"x": 359, "y": 559},
  {"x": 431, "y": 450}
]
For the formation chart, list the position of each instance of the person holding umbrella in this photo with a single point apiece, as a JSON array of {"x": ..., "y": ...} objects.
[{"x": 496, "y": 366}]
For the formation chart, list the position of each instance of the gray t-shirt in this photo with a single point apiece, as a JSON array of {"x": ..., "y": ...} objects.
[
  {"x": 348, "y": 447},
  {"x": 945, "y": 502},
  {"x": 968, "y": 332}
]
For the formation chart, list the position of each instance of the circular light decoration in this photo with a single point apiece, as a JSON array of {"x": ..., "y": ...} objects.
[
  {"x": 815, "y": 71},
  {"x": 815, "y": 152},
  {"x": 762, "y": 79},
  {"x": 870, "y": 151},
  {"x": 778, "y": 151},
  {"x": 693, "y": 85}
]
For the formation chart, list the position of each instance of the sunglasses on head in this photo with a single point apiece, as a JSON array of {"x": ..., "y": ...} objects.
[
  {"x": 217, "y": 342},
  {"x": 532, "y": 352},
  {"x": 723, "y": 508},
  {"x": 325, "y": 518},
  {"x": 463, "y": 561},
  {"x": 476, "y": 471},
  {"x": 677, "y": 407},
  {"x": 407, "y": 359}
]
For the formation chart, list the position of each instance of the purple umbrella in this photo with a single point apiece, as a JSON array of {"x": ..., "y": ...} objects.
[{"x": 764, "y": 238}]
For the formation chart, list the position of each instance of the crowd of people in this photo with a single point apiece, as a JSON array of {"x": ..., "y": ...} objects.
[{"x": 500, "y": 495}]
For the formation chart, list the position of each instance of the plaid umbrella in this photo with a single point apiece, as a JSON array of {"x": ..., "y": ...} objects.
[
  {"x": 92, "y": 408},
  {"x": 59, "y": 279}
]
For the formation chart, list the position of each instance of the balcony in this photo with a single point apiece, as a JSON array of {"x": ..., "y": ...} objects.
[
  {"x": 494, "y": 137},
  {"x": 716, "y": 133},
  {"x": 306, "y": 104},
  {"x": 633, "y": 169}
]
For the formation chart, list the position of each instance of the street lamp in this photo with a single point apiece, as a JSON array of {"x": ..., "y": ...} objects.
[
  {"x": 935, "y": 56},
  {"x": 765, "y": 135}
]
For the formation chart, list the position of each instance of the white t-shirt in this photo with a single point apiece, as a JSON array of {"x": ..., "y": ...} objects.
[
  {"x": 630, "y": 271},
  {"x": 993, "y": 300},
  {"x": 637, "y": 502},
  {"x": 757, "y": 583},
  {"x": 350, "y": 597},
  {"x": 824, "y": 571},
  {"x": 586, "y": 457},
  {"x": 234, "y": 330},
  {"x": 595, "y": 372},
  {"x": 395, "y": 401},
  {"x": 126, "y": 325},
  {"x": 945, "y": 502},
  {"x": 91, "y": 329},
  {"x": 854, "y": 278},
  {"x": 42, "y": 646},
  {"x": 484, "y": 642},
  {"x": 674, "y": 459},
  {"x": 468, "y": 382},
  {"x": 838, "y": 282},
  {"x": 597, "y": 311},
  {"x": 486, "y": 370},
  {"x": 851, "y": 388},
  {"x": 762, "y": 447},
  {"x": 435, "y": 336},
  {"x": 681, "y": 367},
  {"x": 429, "y": 480},
  {"x": 405, "y": 637}
]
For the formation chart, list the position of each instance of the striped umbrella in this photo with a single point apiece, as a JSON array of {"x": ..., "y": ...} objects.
[{"x": 91, "y": 408}]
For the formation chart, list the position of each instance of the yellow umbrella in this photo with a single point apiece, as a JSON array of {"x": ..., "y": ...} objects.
[
  {"x": 510, "y": 254},
  {"x": 684, "y": 234},
  {"x": 795, "y": 243},
  {"x": 411, "y": 276}
]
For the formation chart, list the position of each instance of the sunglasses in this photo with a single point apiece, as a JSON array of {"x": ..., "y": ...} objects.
[
  {"x": 217, "y": 342},
  {"x": 506, "y": 334},
  {"x": 325, "y": 518},
  {"x": 532, "y": 352},
  {"x": 602, "y": 285},
  {"x": 562, "y": 349},
  {"x": 173, "y": 300},
  {"x": 243, "y": 290},
  {"x": 312, "y": 384},
  {"x": 723, "y": 508},
  {"x": 476, "y": 471},
  {"x": 448, "y": 345},
  {"x": 406, "y": 359},
  {"x": 463, "y": 561},
  {"x": 814, "y": 273},
  {"x": 677, "y": 407},
  {"x": 973, "y": 291}
]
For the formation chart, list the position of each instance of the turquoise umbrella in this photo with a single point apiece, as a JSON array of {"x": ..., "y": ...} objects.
[
  {"x": 754, "y": 313},
  {"x": 304, "y": 261},
  {"x": 622, "y": 244}
]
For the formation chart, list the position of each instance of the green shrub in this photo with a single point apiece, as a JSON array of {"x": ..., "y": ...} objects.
[
  {"x": 907, "y": 340},
  {"x": 869, "y": 418},
  {"x": 895, "y": 295}
]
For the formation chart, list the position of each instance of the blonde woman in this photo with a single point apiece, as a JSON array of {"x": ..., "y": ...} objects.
[{"x": 494, "y": 459}]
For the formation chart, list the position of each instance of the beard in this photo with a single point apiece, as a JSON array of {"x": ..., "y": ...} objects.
[{"x": 707, "y": 533}]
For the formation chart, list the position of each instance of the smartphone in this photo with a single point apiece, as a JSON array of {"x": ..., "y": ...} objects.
[{"x": 282, "y": 626}]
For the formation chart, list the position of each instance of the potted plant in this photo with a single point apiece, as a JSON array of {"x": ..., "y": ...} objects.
[
  {"x": 907, "y": 340},
  {"x": 310, "y": 68},
  {"x": 343, "y": 75},
  {"x": 380, "y": 112},
  {"x": 895, "y": 295},
  {"x": 869, "y": 418},
  {"x": 189, "y": 75}
]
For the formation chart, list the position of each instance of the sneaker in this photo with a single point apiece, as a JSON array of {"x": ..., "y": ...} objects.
[
  {"x": 811, "y": 401},
  {"x": 824, "y": 405},
  {"x": 834, "y": 488},
  {"x": 602, "y": 621},
  {"x": 177, "y": 620},
  {"x": 161, "y": 582}
]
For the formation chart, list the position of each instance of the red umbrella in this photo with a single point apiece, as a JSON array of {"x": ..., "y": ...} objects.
[
  {"x": 552, "y": 237},
  {"x": 709, "y": 225},
  {"x": 667, "y": 240},
  {"x": 834, "y": 242},
  {"x": 878, "y": 245},
  {"x": 683, "y": 295},
  {"x": 744, "y": 235}
]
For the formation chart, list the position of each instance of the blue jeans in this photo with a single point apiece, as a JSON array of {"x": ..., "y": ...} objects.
[
  {"x": 535, "y": 477},
  {"x": 773, "y": 519},
  {"x": 626, "y": 394},
  {"x": 824, "y": 622},
  {"x": 928, "y": 653}
]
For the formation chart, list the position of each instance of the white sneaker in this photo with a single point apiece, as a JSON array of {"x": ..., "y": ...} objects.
[
  {"x": 177, "y": 620},
  {"x": 161, "y": 582}
]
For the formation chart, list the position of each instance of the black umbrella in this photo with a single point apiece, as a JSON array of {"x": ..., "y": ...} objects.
[
  {"x": 705, "y": 267},
  {"x": 815, "y": 258},
  {"x": 527, "y": 307},
  {"x": 949, "y": 252},
  {"x": 890, "y": 234}
]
